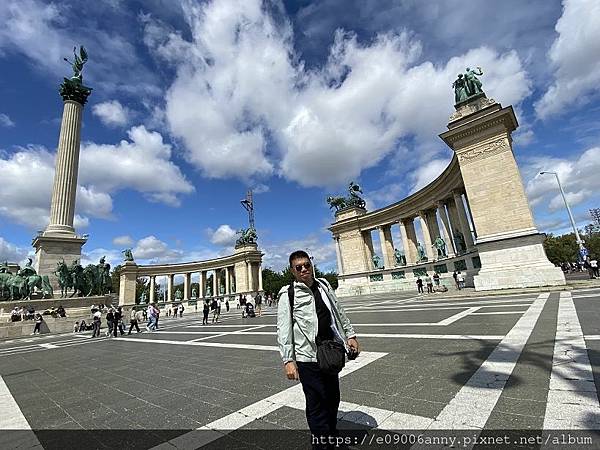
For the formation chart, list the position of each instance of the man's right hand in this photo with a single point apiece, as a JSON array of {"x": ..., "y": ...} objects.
[{"x": 291, "y": 370}]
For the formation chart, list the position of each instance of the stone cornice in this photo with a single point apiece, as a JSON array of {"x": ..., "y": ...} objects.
[{"x": 424, "y": 199}]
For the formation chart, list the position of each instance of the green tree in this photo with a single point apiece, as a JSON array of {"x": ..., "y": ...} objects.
[
  {"x": 274, "y": 281},
  {"x": 115, "y": 278}
]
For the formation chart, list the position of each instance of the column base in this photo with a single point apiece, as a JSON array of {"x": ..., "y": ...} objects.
[
  {"x": 51, "y": 249},
  {"x": 519, "y": 262}
]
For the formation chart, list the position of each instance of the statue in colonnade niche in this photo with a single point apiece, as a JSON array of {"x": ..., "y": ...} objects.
[
  {"x": 376, "y": 261},
  {"x": 399, "y": 257},
  {"x": 421, "y": 253},
  {"x": 194, "y": 293},
  {"x": 178, "y": 294},
  {"x": 459, "y": 240},
  {"x": 440, "y": 246}
]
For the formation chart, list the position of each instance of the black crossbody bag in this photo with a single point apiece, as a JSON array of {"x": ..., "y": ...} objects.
[{"x": 331, "y": 355}]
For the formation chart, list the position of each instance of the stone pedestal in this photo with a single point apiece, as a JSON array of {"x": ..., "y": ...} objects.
[
  {"x": 509, "y": 245},
  {"x": 51, "y": 249},
  {"x": 129, "y": 271},
  {"x": 351, "y": 243},
  {"x": 246, "y": 272}
]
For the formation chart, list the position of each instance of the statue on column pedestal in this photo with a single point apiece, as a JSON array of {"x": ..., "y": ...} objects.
[
  {"x": 440, "y": 246},
  {"x": 376, "y": 261},
  {"x": 421, "y": 253},
  {"x": 73, "y": 88},
  {"x": 459, "y": 240},
  {"x": 399, "y": 257}
]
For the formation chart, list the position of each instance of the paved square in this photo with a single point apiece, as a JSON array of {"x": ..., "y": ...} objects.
[{"x": 512, "y": 362}]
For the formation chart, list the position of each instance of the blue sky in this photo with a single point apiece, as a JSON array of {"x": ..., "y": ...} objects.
[{"x": 195, "y": 102}]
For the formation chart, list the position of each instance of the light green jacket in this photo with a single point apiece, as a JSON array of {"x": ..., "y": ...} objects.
[{"x": 297, "y": 342}]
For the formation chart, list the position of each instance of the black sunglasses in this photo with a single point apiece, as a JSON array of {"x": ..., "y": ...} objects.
[{"x": 299, "y": 267}]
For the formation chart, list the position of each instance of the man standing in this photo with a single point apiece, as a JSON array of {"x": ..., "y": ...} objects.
[
  {"x": 419, "y": 285},
  {"x": 316, "y": 316},
  {"x": 97, "y": 319},
  {"x": 258, "y": 301}
]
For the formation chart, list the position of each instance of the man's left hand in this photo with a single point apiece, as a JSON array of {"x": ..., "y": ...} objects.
[{"x": 353, "y": 344}]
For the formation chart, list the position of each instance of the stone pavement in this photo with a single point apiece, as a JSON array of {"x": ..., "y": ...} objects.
[{"x": 475, "y": 368}]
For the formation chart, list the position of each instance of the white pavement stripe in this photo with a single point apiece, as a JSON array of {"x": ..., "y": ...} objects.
[
  {"x": 47, "y": 345},
  {"x": 225, "y": 333},
  {"x": 12, "y": 418},
  {"x": 291, "y": 397},
  {"x": 450, "y": 320},
  {"x": 433, "y": 308},
  {"x": 203, "y": 344},
  {"x": 578, "y": 296},
  {"x": 592, "y": 337},
  {"x": 496, "y": 313},
  {"x": 474, "y": 402},
  {"x": 572, "y": 399},
  {"x": 360, "y": 335}
]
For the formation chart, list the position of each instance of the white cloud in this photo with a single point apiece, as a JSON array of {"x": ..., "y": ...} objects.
[
  {"x": 152, "y": 248},
  {"x": 122, "y": 241},
  {"x": 11, "y": 252},
  {"x": 224, "y": 235},
  {"x": 111, "y": 113},
  {"x": 574, "y": 56},
  {"x": 6, "y": 121},
  {"x": 239, "y": 84},
  {"x": 142, "y": 163},
  {"x": 427, "y": 172},
  {"x": 578, "y": 177}
]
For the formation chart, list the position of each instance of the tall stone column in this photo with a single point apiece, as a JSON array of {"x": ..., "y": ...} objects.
[
  {"x": 59, "y": 241},
  {"x": 426, "y": 235},
  {"x": 227, "y": 281},
  {"x": 409, "y": 240},
  {"x": 127, "y": 283},
  {"x": 368, "y": 249},
  {"x": 387, "y": 245},
  {"x": 509, "y": 245},
  {"x": 170, "y": 279},
  {"x": 187, "y": 286},
  {"x": 152, "y": 288},
  {"x": 202, "y": 284},
  {"x": 463, "y": 220},
  {"x": 338, "y": 255},
  {"x": 215, "y": 283},
  {"x": 445, "y": 230},
  {"x": 260, "y": 280}
]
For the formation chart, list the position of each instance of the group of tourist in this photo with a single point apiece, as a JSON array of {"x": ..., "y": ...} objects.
[
  {"x": 432, "y": 283},
  {"x": 20, "y": 313},
  {"x": 590, "y": 265}
]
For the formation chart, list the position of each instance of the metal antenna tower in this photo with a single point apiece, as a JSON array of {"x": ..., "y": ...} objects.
[{"x": 248, "y": 204}]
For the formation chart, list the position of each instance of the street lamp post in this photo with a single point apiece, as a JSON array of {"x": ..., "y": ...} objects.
[{"x": 582, "y": 249}]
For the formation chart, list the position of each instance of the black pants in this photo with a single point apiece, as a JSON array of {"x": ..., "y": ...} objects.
[
  {"x": 96, "y": 325},
  {"x": 132, "y": 324},
  {"x": 37, "y": 327},
  {"x": 322, "y": 393},
  {"x": 204, "y": 317},
  {"x": 118, "y": 325}
]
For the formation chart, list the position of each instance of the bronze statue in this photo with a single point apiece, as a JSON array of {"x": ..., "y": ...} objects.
[
  {"x": 77, "y": 64},
  {"x": 353, "y": 199},
  {"x": 467, "y": 85},
  {"x": 127, "y": 255},
  {"x": 73, "y": 88},
  {"x": 460, "y": 89},
  {"x": 421, "y": 252},
  {"x": 440, "y": 246},
  {"x": 247, "y": 236},
  {"x": 376, "y": 261},
  {"x": 399, "y": 257},
  {"x": 472, "y": 82}
]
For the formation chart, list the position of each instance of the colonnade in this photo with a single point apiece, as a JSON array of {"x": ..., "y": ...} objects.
[
  {"x": 240, "y": 273},
  {"x": 453, "y": 227}
]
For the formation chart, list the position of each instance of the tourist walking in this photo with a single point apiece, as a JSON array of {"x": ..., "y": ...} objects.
[
  {"x": 460, "y": 280},
  {"x": 436, "y": 279},
  {"x": 180, "y": 309},
  {"x": 38, "y": 324},
  {"x": 455, "y": 276},
  {"x": 110, "y": 319},
  {"x": 151, "y": 314},
  {"x": 258, "y": 302},
  {"x": 133, "y": 320},
  {"x": 96, "y": 322},
  {"x": 118, "y": 322},
  {"x": 216, "y": 310},
  {"x": 429, "y": 284},
  {"x": 304, "y": 338},
  {"x": 227, "y": 304},
  {"x": 419, "y": 285},
  {"x": 594, "y": 266},
  {"x": 205, "y": 311}
]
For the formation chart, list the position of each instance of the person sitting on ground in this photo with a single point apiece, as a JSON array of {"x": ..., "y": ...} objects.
[
  {"x": 83, "y": 326},
  {"x": 14, "y": 315},
  {"x": 61, "y": 311}
]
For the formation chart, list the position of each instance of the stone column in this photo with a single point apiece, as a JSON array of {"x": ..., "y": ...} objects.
[
  {"x": 454, "y": 222},
  {"x": 152, "y": 288},
  {"x": 227, "y": 281},
  {"x": 409, "y": 240},
  {"x": 202, "y": 284},
  {"x": 338, "y": 255},
  {"x": 387, "y": 245},
  {"x": 127, "y": 283},
  {"x": 368, "y": 249},
  {"x": 462, "y": 218},
  {"x": 187, "y": 286},
  {"x": 260, "y": 280},
  {"x": 426, "y": 235},
  {"x": 446, "y": 231},
  {"x": 215, "y": 283},
  {"x": 170, "y": 279},
  {"x": 59, "y": 242}
]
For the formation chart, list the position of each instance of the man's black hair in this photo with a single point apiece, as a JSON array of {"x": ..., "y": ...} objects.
[{"x": 298, "y": 254}]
